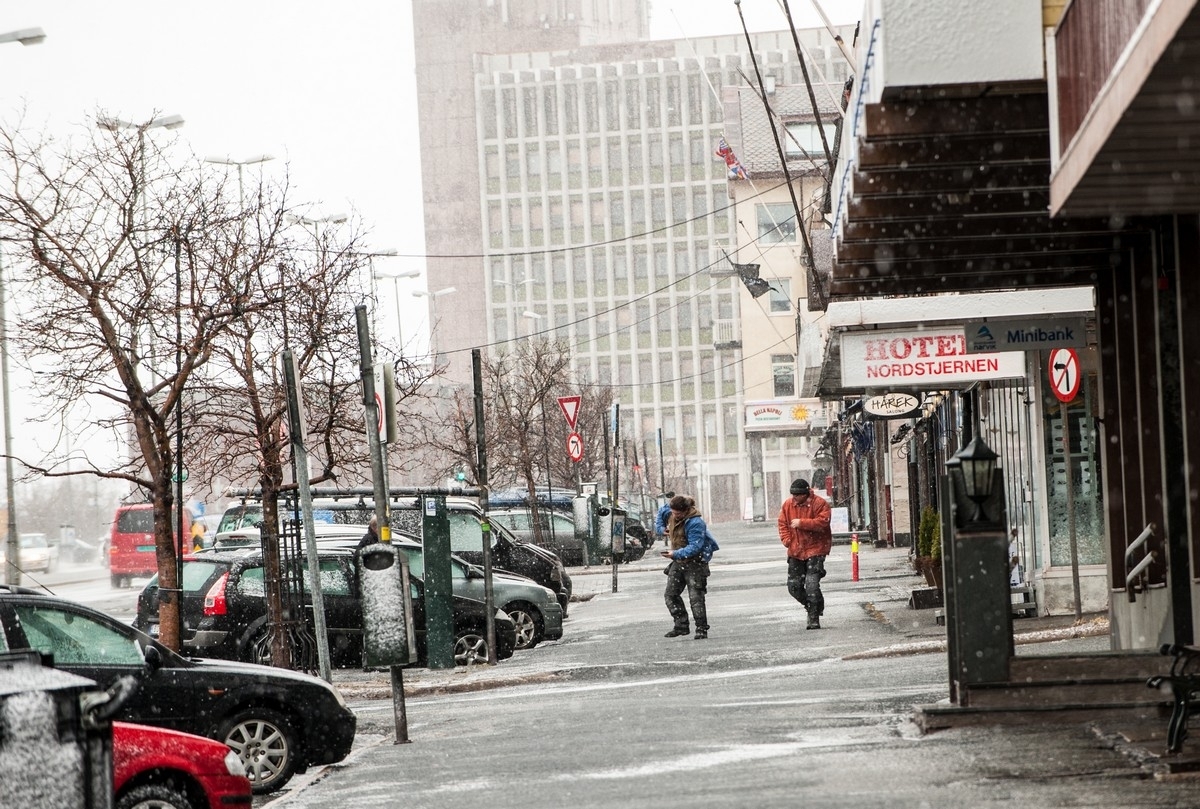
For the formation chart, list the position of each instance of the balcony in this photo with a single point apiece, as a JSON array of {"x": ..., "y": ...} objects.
[{"x": 726, "y": 335}]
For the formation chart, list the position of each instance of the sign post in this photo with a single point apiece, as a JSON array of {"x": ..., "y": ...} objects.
[{"x": 1065, "y": 377}]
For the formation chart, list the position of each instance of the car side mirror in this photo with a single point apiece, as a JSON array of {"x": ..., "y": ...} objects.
[{"x": 153, "y": 659}]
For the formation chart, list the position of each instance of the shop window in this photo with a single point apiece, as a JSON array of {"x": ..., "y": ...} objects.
[{"x": 1081, "y": 455}]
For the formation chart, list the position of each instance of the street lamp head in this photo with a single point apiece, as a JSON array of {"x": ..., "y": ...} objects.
[
  {"x": 977, "y": 463},
  {"x": 229, "y": 161},
  {"x": 531, "y": 315},
  {"x": 26, "y": 36},
  {"x": 164, "y": 122}
]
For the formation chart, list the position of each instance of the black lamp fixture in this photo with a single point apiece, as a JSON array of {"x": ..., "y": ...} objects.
[{"x": 978, "y": 464}]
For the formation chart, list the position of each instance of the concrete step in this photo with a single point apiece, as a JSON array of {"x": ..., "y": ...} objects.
[
  {"x": 1052, "y": 695},
  {"x": 1088, "y": 667},
  {"x": 942, "y": 716}
]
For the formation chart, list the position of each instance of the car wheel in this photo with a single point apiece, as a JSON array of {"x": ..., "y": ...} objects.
[
  {"x": 154, "y": 796},
  {"x": 470, "y": 647},
  {"x": 529, "y": 624},
  {"x": 116, "y": 581},
  {"x": 264, "y": 742}
]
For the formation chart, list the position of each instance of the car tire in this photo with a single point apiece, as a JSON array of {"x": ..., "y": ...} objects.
[
  {"x": 264, "y": 741},
  {"x": 155, "y": 796},
  {"x": 530, "y": 627},
  {"x": 116, "y": 581},
  {"x": 470, "y": 647}
]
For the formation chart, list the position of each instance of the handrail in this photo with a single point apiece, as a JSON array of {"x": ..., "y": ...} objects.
[
  {"x": 1141, "y": 566},
  {"x": 1147, "y": 532}
]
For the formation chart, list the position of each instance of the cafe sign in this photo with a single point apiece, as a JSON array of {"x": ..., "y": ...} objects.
[{"x": 921, "y": 358}]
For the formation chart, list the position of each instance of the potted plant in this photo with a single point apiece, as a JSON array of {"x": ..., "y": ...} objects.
[{"x": 929, "y": 547}]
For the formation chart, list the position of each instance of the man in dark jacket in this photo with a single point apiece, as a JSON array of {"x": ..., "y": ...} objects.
[
  {"x": 691, "y": 549},
  {"x": 804, "y": 531}
]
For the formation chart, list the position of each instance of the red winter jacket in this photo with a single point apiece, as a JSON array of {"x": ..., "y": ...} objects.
[{"x": 813, "y": 537}]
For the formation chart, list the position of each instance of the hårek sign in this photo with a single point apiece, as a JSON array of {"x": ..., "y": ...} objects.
[{"x": 920, "y": 358}]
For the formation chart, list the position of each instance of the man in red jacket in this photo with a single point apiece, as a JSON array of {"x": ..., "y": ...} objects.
[{"x": 804, "y": 531}]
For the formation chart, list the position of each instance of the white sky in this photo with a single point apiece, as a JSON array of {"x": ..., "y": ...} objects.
[{"x": 326, "y": 88}]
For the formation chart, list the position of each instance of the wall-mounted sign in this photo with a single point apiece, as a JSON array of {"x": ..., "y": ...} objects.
[
  {"x": 892, "y": 405},
  {"x": 920, "y": 358},
  {"x": 786, "y": 414},
  {"x": 1025, "y": 335}
]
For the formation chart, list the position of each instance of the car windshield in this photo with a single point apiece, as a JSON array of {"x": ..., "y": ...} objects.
[
  {"x": 33, "y": 541},
  {"x": 195, "y": 575}
]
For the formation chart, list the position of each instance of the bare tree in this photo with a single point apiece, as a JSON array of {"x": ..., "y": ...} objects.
[{"x": 132, "y": 266}]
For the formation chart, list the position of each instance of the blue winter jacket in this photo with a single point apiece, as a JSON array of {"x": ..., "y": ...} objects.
[
  {"x": 699, "y": 541},
  {"x": 660, "y": 522}
]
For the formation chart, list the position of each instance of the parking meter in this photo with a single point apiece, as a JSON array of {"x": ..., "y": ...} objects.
[{"x": 388, "y": 638}]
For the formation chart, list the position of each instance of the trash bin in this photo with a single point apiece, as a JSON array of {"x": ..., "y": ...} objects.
[
  {"x": 54, "y": 750},
  {"x": 388, "y": 638}
]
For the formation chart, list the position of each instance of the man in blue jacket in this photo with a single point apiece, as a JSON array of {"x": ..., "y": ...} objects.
[
  {"x": 691, "y": 549},
  {"x": 664, "y": 514}
]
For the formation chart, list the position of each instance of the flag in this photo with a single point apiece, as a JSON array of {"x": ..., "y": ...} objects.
[
  {"x": 749, "y": 275},
  {"x": 725, "y": 152}
]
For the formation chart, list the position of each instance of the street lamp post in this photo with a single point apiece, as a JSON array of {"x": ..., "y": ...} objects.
[
  {"x": 241, "y": 165},
  {"x": 395, "y": 279},
  {"x": 12, "y": 571},
  {"x": 433, "y": 322}
]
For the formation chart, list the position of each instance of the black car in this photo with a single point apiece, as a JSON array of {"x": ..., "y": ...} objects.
[
  {"x": 225, "y": 610},
  {"x": 279, "y": 722}
]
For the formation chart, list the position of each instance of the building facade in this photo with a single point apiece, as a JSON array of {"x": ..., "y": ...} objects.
[{"x": 572, "y": 192}]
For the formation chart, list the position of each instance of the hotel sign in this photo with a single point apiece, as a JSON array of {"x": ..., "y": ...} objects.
[{"x": 921, "y": 358}]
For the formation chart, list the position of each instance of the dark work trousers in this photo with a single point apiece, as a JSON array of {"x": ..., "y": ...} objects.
[
  {"x": 804, "y": 583},
  {"x": 692, "y": 574}
]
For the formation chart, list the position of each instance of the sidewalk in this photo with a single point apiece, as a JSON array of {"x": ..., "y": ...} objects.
[{"x": 920, "y": 628}]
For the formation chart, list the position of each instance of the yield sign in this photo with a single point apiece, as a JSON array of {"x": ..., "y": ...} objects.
[
  {"x": 570, "y": 409},
  {"x": 1064, "y": 373}
]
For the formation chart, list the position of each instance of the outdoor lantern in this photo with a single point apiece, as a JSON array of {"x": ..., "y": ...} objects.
[{"x": 978, "y": 465}]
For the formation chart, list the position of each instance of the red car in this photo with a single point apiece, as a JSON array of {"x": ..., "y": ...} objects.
[{"x": 166, "y": 769}]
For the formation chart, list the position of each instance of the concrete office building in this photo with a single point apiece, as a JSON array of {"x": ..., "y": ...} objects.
[{"x": 572, "y": 190}]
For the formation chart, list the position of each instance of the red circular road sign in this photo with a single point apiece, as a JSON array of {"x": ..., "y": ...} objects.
[
  {"x": 1065, "y": 374},
  {"x": 575, "y": 447}
]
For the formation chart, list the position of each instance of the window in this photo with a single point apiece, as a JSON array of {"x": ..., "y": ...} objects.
[
  {"x": 776, "y": 223},
  {"x": 783, "y": 372},
  {"x": 780, "y": 296},
  {"x": 75, "y": 638},
  {"x": 806, "y": 136}
]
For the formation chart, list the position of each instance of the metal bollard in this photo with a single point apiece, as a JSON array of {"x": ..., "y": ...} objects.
[{"x": 854, "y": 557}]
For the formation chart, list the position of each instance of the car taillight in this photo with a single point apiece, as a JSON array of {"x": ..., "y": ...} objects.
[{"x": 214, "y": 599}]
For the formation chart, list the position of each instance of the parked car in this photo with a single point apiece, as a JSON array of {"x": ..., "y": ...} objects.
[
  {"x": 534, "y": 609},
  {"x": 37, "y": 553},
  {"x": 509, "y": 552},
  {"x": 250, "y": 536},
  {"x": 279, "y": 722},
  {"x": 558, "y": 531},
  {"x": 81, "y": 551},
  {"x": 157, "y": 768},
  {"x": 225, "y": 610}
]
